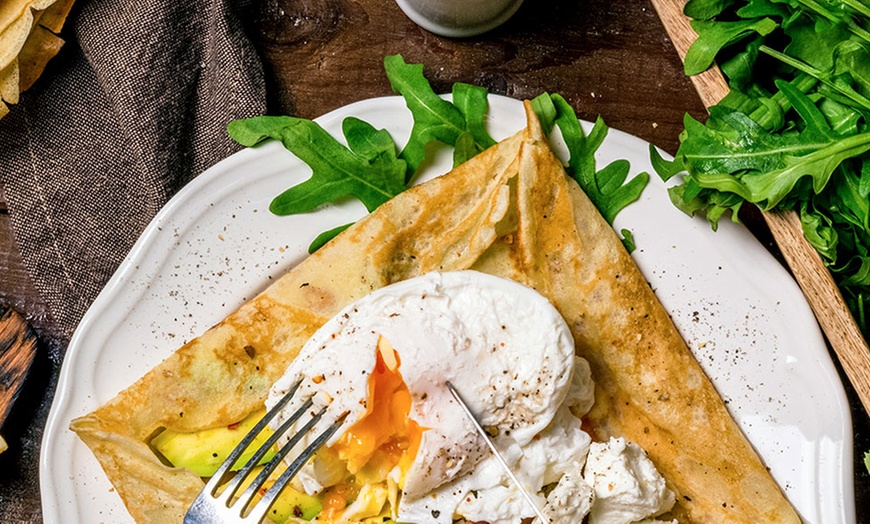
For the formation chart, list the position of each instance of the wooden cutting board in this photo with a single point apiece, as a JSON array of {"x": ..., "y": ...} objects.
[
  {"x": 17, "y": 349},
  {"x": 805, "y": 263}
]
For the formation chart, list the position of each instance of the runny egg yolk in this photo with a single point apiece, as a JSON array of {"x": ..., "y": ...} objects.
[{"x": 385, "y": 437}]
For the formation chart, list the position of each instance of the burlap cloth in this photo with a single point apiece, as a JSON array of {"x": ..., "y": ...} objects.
[{"x": 134, "y": 107}]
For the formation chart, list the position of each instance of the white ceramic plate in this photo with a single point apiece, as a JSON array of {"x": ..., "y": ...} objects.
[{"x": 215, "y": 245}]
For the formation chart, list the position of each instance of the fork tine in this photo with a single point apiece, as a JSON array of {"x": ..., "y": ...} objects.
[
  {"x": 233, "y": 485},
  {"x": 216, "y": 479},
  {"x": 248, "y": 495},
  {"x": 262, "y": 507},
  {"x": 210, "y": 507}
]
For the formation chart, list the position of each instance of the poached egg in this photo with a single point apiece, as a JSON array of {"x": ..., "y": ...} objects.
[{"x": 406, "y": 449}]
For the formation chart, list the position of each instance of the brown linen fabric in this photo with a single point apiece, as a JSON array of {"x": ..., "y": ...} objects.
[{"x": 134, "y": 106}]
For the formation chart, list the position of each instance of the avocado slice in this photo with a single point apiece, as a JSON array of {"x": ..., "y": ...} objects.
[
  {"x": 296, "y": 504},
  {"x": 290, "y": 503},
  {"x": 204, "y": 451}
]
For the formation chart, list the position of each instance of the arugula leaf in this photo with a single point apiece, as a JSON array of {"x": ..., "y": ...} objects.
[
  {"x": 368, "y": 142},
  {"x": 843, "y": 14},
  {"x": 734, "y": 143},
  {"x": 581, "y": 149},
  {"x": 858, "y": 7},
  {"x": 853, "y": 59},
  {"x": 713, "y": 36},
  {"x": 794, "y": 132},
  {"x": 544, "y": 108},
  {"x": 617, "y": 192},
  {"x": 464, "y": 149},
  {"x": 607, "y": 188},
  {"x": 739, "y": 68},
  {"x": 768, "y": 188},
  {"x": 844, "y": 120},
  {"x": 770, "y": 111},
  {"x": 736, "y": 155},
  {"x": 337, "y": 171},
  {"x": 370, "y": 169},
  {"x": 471, "y": 102},
  {"x": 763, "y": 8},
  {"x": 820, "y": 234},
  {"x": 840, "y": 85},
  {"x": 321, "y": 239},
  {"x": 628, "y": 240},
  {"x": 664, "y": 168},
  {"x": 706, "y": 9},
  {"x": 435, "y": 119},
  {"x": 811, "y": 40}
]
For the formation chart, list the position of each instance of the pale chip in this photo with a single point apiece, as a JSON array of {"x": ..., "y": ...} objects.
[
  {"x": 28, "y": 40},
  {"x": 9, "y": 80},
  {"x": 11, "y": 10},
  {"x": 55, "y": 15},
  {"x": 39, "y": 5},
  {"x": 40, "y": 47},
  {"x": 13, "y": 37}
]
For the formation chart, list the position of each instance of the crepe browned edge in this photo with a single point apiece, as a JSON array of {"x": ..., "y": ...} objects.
[{"x": 510, "y": 211}]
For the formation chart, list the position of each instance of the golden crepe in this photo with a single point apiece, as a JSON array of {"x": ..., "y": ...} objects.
[{"x": 510, "y": 211}]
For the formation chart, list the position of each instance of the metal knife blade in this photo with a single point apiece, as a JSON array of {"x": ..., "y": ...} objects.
[{"x": 526, "y": 495}]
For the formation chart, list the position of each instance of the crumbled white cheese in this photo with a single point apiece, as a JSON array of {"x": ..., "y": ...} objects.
[
  {"x": 556, "y": 453},
  {"x": 570, "y": 500},
  {"x": 627, "y": 486}
]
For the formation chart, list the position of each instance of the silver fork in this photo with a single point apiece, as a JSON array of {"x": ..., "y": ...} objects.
[{"x": 211, "y": 507}]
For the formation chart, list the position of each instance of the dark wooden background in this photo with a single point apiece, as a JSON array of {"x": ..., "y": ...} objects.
[{"x": 607, "y": 58}]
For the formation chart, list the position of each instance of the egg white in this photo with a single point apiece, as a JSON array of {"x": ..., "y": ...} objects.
[{"x": 504, "y": 346}]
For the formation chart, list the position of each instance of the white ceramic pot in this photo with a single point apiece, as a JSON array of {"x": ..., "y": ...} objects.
[{"x": 459, "y": 18}]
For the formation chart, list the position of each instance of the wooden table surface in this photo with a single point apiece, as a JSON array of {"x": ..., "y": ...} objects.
[{"x": 607, "y": 58}]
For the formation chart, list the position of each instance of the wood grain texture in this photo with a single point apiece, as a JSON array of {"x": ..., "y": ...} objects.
[
  {"x": 837, "y": 322},
  {"x": 17, "y": 349},
  {"x": 19, "y": 481},
  {"x": 17, "y": 290},
  {"x": 710, "y": 85},
  {"x": 607, "y": 58},
  {"x": 814, "y": 279}
]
